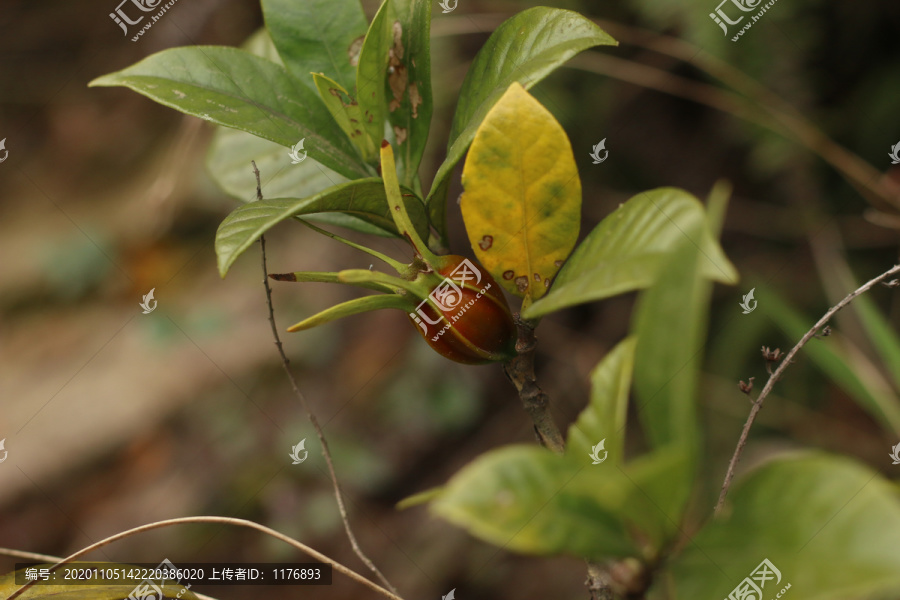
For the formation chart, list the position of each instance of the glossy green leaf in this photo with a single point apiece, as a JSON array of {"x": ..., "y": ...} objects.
[
  {"x": 604, "y": 417},
  {"x": 525, "y": 48},
  {"x": 231, "y": 150},
  {"x": 363, "y": 198},
  {"x": 372, "y": 72},
  {"x": 670, "y": 323},
  {"x": 522, "y": 200},
  {"x": 529, "y": 500},
  {"x": 353, "y": 307},
  {"x": 236, "y": 89},
  {"x": 829, "y": 525},
  {"x": 86, "y": 591},
  {"x": 318, "y": 36},
  {"x": 347, "y": 114},
  {"x": 228, "y": 162},
  {"x": 410, "y": 102},
  {"x": 839, "y": 360},
  {"x": 626, "y": 250}
]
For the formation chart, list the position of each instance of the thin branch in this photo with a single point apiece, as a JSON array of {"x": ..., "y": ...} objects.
[
  {"x": 757, "y": 405},
  {"x": 225, "y": 521},
  {"x": 312, "y": 417},
  {"x": 33, "y": 556},
  {"x": 520, "y": 371}
]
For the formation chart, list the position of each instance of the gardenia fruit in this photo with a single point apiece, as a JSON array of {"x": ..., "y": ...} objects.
[{"x": 465, "y": 318}]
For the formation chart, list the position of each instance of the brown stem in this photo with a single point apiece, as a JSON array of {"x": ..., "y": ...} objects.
[
  {"x": 520, "y": 371},
  {"x": 312, "y": 417},
  {"x": 757, "y": 405}
]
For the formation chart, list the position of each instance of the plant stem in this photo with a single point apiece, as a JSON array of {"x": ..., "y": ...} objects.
[
  {"x": 398, "y": 207},
  {"x": 757, "y": 404},
  {"x": 312, "y": 417},
  {"x": 520, "y": 371}
]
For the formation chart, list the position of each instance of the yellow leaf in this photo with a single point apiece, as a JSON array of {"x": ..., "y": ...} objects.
[{"x": 522, "y": 199}]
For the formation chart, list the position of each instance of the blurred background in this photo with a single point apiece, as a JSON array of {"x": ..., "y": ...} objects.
[{"x": 113, "y": 418}]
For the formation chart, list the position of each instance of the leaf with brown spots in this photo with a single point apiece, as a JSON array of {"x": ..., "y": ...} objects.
[
  {"x": 410, "y": 102},
  {"x": 522, "y": 190},
  {"x": 348, "y": 115}
]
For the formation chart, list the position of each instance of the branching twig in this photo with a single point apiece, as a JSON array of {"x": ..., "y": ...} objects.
[
  {"x": 226, "y": 521},
  {"x": 757, "y": 405},
  {"x": 520, "y": 371},
  {"x": 312, "y": 417}
]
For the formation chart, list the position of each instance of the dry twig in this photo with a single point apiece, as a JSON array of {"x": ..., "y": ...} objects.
[
  {"x": 757, "y": 405},
  {"x": 226, "y": 521},
  {"x": 312, "y": 417}
]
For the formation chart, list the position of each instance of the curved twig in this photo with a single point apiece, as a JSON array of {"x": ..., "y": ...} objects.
[
  {"x": 757, "y": 404},
  {"x": 225, "y": 521}
]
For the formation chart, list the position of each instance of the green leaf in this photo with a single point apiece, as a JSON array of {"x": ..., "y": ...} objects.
[
  {"x": 839, "y": 360},
  {"x": 371, "y": 74},
  {"x": 260, "y": 44},
  {"x": 423, "y": 497},
  {"x": 604, "y": 417},
  {"x": 659, "y": 483},
  {"x": 363, "y": 198},
  {"x": 828, "y": 524},
  {"x": 529, "y": 500},
  {"x": 626, "y": 250},
  {"x": 231, "y": 151},
  {"x": 86, "y": 591},
  {"x": 661, "y": 486},
  {"x": 353, "y": 307},
  {"x": 236, "y": 89},
  {"x": 670, "y": 323},
  {"x": 410, "y": 102},
  {"x": 525, "y": 48},
  {"x": 348, "y": 115},
  {"x": 329, "y": 277},
  {"x": 228, "y": 162},
  {"x": 316, "y": 36},
  {"x": 522, "y": 200}
]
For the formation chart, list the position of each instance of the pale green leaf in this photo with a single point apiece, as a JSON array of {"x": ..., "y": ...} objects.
[{"x": 627, "y": 249}]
